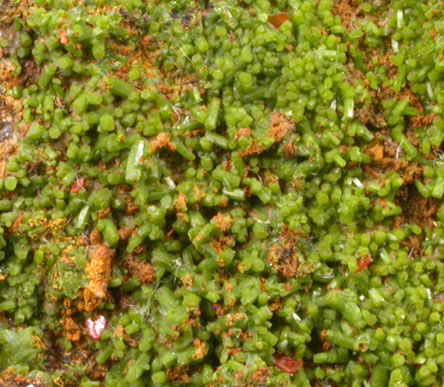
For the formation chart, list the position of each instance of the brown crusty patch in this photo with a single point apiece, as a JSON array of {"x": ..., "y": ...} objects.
[
  {"x": 414, "y": 244},
  {"x": 72, "y": 330},
  {"x": 290, "y": 151},
  {"x": 178, "y": 374},
  {"x": 200, "y": 349},
  {"x": 386, "y": 157},
  {"x": 144, "y": 271},
  {"x": 10, "y": 379},
  {"x": 223, "y": 221},
  {"x": 181, "y": 202},
  {"x": 280, "y": 126},
  {"x": 254, "y": 149},
  {"x": 243, "y": 132},
  {"x": 260, "y": 376},
  {"x": 221, "y": 243},
  {"x": 162, "y": 141},
  {"x": 422, "y": 120},
  {"x": 348, "y": 11},
  {"x": 283, "y": 260},
  {"x": 98, "y": 271},
  {"x": 416, "y": 209}
]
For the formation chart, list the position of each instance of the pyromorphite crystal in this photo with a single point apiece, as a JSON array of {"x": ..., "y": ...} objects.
[{"x": 221, "y": 193}]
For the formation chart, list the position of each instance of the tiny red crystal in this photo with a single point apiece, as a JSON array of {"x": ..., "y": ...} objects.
[
  {"x": 363, "y": 263},
  {"x": 77, "y": 185},
  {"x": 288, "y": 364},
  {"x": 278, "y": 19}
]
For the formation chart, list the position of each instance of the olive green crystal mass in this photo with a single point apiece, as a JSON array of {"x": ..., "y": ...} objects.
[{"x": 221, "y": 193}]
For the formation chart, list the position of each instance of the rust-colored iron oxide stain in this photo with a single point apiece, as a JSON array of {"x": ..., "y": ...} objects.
[{"x": 98, "y": 271}]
